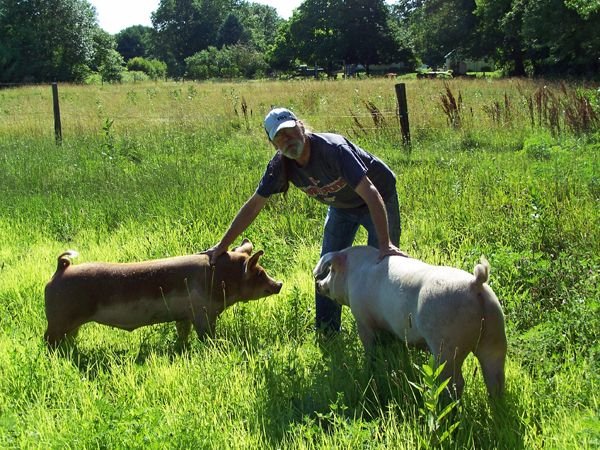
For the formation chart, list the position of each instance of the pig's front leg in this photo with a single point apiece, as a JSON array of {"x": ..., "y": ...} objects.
[
  {"x": 183, "y": 331},
  {"x": 204, "y": 323},
  {"x": 367, "y": 336}
]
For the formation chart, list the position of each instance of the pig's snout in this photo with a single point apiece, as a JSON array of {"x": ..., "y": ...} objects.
[
  {"x": 275, "y": 288},
  {"x": 320, "y": 275},
  {"x": 321, "y": 288}
]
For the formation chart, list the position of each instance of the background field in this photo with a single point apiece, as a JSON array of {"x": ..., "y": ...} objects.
[{"x": 154, "y": 170}]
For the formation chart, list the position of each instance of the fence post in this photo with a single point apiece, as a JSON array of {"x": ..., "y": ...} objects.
[
  {"x": 403, "y": 113},
  {"x": 57, "y": 127}
]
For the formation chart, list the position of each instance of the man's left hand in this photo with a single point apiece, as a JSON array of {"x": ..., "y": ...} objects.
[{"x": 391, "y": 250}]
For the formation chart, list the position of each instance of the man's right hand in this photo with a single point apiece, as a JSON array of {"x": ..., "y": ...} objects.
[{"x": 213, "y": 253}]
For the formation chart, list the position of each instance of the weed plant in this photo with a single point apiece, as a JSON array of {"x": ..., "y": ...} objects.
[{"x": 153, "y": 170}]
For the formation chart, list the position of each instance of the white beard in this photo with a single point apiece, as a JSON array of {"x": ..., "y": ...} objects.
[{"x": 294, "y": 149}]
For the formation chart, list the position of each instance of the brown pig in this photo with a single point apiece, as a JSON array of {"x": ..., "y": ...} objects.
[{"x": 182, "y": 289}]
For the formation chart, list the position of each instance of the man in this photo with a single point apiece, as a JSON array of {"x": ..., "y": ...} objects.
[{"x": 358, "y": 188}]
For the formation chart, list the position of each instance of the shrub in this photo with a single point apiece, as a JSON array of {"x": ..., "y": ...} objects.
[
  {"x": 154, "y": 68},
  {"x": 228, "y": 62},
  {"x": 134, "y": 76},
  {"x": 539, "y": 147},
  {"x": 112, "y": 67}
]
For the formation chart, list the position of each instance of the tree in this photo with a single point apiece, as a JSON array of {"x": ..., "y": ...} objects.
[
  {"x": 315, "y": 33},
  {"x": 261, "y": 23},
  {"x": 561, "y": 40},
  {"x": 175, "y": 23},
  {"x": 585, "y": 8},
  {"x": 46, "y": 40},
  {"x": 154, "y": 68},
  {"x": 541, "y": 37},
  {"x": 231, "y": 32},
  {"x": 329, "y": 32},
  {"x": 134, "y": 41},
  {"x": 367, "y": 36},
  {"x": 282, "y": 54},
  {"x": 440, "y": 26},
  {"x": 250, "y": 62},
  {"x": 500, "y": 33},
  {"x": 184, "y": 27},
  {"x": 104, "y": 43}
]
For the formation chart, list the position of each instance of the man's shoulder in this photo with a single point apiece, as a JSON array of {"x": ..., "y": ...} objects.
[
  {"x": 330, "y": 138},
  {"x": 330, "y": 145},
  {"x": 275, "y": 161}
]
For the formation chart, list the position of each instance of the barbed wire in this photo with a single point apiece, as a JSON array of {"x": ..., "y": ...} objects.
[{"x": 215, "y": 117}]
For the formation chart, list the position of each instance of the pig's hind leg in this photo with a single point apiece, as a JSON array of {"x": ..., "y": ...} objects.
[
  {"x": 453, "y": 356},
  {"x": 491, "y": 354}
]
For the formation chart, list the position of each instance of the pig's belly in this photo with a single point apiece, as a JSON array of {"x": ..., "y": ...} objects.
[
  {"x": 408, "y": 332},
  {"x": 134, "y": 314}
]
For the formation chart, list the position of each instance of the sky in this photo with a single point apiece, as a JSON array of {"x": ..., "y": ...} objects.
[{"x": 115, "y": 15}]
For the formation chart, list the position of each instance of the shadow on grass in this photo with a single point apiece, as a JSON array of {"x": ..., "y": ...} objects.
[
  {"x": 341, "y": 386},
  {"x": 313, "y": 388},
  {"x": 93, "y": 360},
  {"x": 347, "y": 391}
]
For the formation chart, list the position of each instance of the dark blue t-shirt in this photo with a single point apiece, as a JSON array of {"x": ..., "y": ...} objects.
[{"x": 332, "y": 173}]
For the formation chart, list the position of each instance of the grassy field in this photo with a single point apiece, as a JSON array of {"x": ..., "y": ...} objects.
[{"x": 505, "y": 168}]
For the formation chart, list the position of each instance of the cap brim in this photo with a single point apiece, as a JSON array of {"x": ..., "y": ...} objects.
[{"x": 286, "y": 124}]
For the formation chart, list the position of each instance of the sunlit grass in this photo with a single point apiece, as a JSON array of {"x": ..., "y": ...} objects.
[{"x": 216, "y": 108}]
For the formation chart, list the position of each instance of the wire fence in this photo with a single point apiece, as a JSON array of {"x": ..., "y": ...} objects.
[{"x": 432, "y": 105}]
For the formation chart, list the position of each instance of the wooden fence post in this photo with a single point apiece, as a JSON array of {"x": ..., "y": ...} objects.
[
  {"x": 403, "y": 113},
  {"x": 57, "y": 126}
]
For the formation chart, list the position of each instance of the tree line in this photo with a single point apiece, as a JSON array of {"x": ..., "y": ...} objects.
[{"x": 60, "y": 40}]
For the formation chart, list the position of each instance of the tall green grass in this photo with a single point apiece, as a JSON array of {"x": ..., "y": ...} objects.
[{"x": 155, "y": 170}]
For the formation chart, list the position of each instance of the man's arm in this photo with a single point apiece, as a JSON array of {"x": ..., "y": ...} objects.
[
  {"x": 245, "y": 216},
  {"x": 369, "y": 193}
]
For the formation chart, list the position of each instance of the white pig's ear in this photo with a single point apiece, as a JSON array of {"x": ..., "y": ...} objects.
[
  {"x": 253, "y": 261},
  {"x": 338, "y": 262},
  {"x": 323, "y": 265}
]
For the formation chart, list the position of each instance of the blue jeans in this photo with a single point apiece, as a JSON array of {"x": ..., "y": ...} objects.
[{"x": 339, "y": 233}]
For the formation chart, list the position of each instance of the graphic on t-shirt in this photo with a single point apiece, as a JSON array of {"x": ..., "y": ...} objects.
[{"x": 316, "y": 191}]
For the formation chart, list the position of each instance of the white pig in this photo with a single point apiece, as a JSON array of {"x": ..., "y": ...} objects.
[{"x": 449, "y": 310}]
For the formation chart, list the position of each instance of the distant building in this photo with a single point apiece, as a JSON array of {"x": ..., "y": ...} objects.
[{"x": 460, "y": 66}]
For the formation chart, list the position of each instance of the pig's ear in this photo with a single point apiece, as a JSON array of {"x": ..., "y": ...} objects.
[
  {"x": 338, "y": 262},
  {"x": 246, "y": 247},
  {"x": 253, "y": 261},
  {"x": 323, "y": 266}
]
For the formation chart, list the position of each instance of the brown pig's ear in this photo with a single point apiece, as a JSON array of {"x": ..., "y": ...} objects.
[
  {"x": 246, "y": 247},
  {"x": 253, "y": 261}
]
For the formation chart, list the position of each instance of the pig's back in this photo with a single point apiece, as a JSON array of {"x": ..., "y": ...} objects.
[
  {"x": 107, "y": 282},
  {"x": 137, "y": 270}
]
